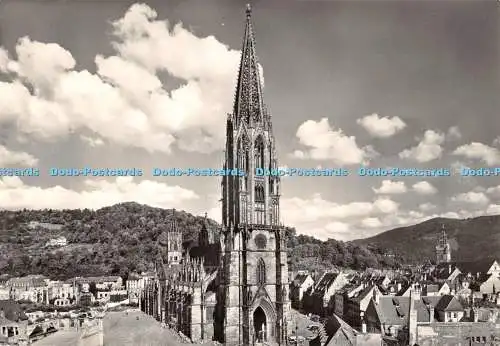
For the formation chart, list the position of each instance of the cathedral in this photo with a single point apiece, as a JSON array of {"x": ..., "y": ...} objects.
[{"x": 232, "y": 287}]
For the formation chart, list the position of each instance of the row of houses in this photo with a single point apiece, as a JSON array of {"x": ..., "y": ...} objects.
[
  {"x": 77, "y": 291},
  {"x": 412, "y": 304}
]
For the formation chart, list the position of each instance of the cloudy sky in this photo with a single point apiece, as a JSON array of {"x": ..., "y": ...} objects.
[{"x": 118, "y": 84}]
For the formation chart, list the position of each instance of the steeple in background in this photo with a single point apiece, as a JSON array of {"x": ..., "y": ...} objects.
[{"x": 443, "y": 250}]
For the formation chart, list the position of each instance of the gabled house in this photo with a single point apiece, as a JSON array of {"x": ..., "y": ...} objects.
[
  {"x": 494, "y": 269},
  {"x": 341, "y": 332},
  {"x": 414, "y": 289},
  {"x": 338, "y": 303},
  {"x": 323, "y": 291},
  {"x": 335, "y": 332},
  {"x": 391, "y": 315},
  {"x": 302, "y": 282},
  {"x": 356, "y": 306},
  {"x": 449, "y": 309},
  {"x": 490, "y": 286}
]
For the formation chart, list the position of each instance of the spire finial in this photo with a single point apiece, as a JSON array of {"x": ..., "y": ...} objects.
[{"x": 249, "y": 11}]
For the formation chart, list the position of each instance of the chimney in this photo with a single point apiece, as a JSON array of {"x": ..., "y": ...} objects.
[
  {"x": 412, "y": 321},
  {"x": 376, "y": 296},
  {"x": 431, "y": 314},
  {"x": 449, "y": 268}
]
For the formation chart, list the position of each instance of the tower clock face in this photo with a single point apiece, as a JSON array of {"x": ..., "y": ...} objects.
[{"x": 260, "y": 241}]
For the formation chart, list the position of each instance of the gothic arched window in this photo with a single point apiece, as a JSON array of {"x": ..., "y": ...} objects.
[
  {"x": 261, "y": 272},
  {"x": 241, "y": 156},
  {"x": 259, "y": 153},
  {"x": 259, "y": 194}
]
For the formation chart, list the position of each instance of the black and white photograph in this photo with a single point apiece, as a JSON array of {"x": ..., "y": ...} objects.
[{"x": 255, "y": 173}]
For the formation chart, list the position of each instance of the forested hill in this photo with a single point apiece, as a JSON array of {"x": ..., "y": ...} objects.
[
  {"x": 123, "y": 238},
  {"x": 471, "y": 240}
]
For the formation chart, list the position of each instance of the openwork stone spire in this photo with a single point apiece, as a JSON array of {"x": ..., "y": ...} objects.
[
  {"x": 248, "y": 103},
  {"x": 173, "y": 223}
]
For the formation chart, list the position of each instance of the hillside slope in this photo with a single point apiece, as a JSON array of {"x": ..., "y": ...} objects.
[
  {"x": 471, "y": 240},
  {"x": 123, "y": 238}
]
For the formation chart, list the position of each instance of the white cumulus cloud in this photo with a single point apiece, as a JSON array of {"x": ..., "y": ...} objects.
[
  {"x": 471, "y": 197},
  {"x": 493, "y": 209},
  {"x": 125, "y": 101},
  {"x": 327, "y": 143},
  {"x": 381, "y": 126},
  {"x": 16, "y": 158},
  {"x": 428, "y": 149},
  {"x": 424, "y": 188},
  {"x": 15, "y": 194},
  {"x": 479, "y": 151},
  {"x": 494, "y": 190},
  {"x": 391, "y": 187}
]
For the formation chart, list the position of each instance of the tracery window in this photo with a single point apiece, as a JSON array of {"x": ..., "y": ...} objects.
[
  {"x": 261, "y": 272},
  {"x": 259, "y": 194},
  {"x": 259, "y": 153}
]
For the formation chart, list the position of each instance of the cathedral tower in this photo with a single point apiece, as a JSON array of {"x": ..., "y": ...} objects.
[
  {"x": 443, "y": 250},
  {"x": 254, "y": 278},
  {"x": 172, "y": 242}
]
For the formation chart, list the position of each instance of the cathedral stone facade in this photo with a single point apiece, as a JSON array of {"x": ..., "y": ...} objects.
[{"x": 233, "y": 286}]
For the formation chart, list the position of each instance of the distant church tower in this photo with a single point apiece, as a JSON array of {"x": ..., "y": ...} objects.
[
  {"x": 254, "y": 280},
  {"x": 443, "y": 250},
  {"x": 172, "y": 242},
  {"x": 204, "y": 238}
]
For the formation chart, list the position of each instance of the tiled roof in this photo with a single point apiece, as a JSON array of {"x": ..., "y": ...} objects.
[
  {"x": 325, "y": 282},
  {"x": 349, "y": 288},
  {"x": 335, "y": 326},
  {"x": 431, "y": 300},
  {"x": 300, "y": 278},
  {"x": 395, "y": 310},
  {"x": 449, "y": 303},
  {"x": 363, "y": 294}
]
